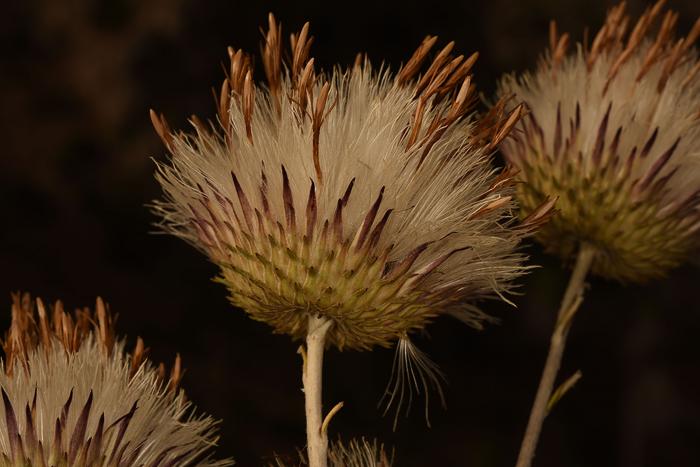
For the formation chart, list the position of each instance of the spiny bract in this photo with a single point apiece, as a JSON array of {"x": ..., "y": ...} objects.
[
  {"x": 613, "y": 131},
  {"x": 362, "y": 196},
  {"x": 73, "y": 397}
]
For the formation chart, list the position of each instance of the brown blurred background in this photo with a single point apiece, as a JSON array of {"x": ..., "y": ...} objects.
[{"x": 76, "y": 80}]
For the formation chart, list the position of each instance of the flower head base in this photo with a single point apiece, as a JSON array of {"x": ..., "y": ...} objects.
[
  {"x": 613, "y": 132},
  {"x": 361, "y": 196},
  {"x": 72, "y": 397}
]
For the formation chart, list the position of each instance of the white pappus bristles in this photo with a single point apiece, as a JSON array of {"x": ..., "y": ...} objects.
[
  {"x": 613, "y": 131},
  {"x": 413, "y": 374},
  {"x": 72, "y": 396}
]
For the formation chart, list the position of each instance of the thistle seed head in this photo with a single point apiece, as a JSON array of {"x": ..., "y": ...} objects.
[
  {"x": 72, "y": 396},
  {"x": 358, "y": 453},
  {"x": 362, "y": 196},
  {"x": 613, "y": 130}
]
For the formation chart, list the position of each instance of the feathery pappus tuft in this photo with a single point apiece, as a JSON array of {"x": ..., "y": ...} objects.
[
  {"x": 613, "y": 131},
  {"x": 72, "y": 396},
  {"x": 362, "y": 196},
  {"x": 413, "y": 374}
]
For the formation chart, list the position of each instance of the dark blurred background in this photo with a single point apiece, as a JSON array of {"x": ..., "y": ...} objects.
[{"x": 77, "y": 78}]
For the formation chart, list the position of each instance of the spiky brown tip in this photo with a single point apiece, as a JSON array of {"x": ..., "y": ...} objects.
[{"x": 35, "y": 328}]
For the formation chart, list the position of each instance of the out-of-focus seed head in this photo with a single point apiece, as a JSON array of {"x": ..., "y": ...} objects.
[
  {"x": 356, "y": 453},
  {"x": 613, "y": 131},
  {"x": 362, "y": 196},
  {"x": 71, "y": 396}
]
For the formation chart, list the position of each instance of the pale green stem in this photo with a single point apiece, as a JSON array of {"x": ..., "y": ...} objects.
[
  {"x": 312, "y": 377},
  {"x": 569, "y": 304}
]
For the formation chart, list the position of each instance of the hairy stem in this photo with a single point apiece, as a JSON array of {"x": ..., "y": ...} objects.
[
  {"x": 312, "y": 377},
  {"x": 568, "y": 307}
]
